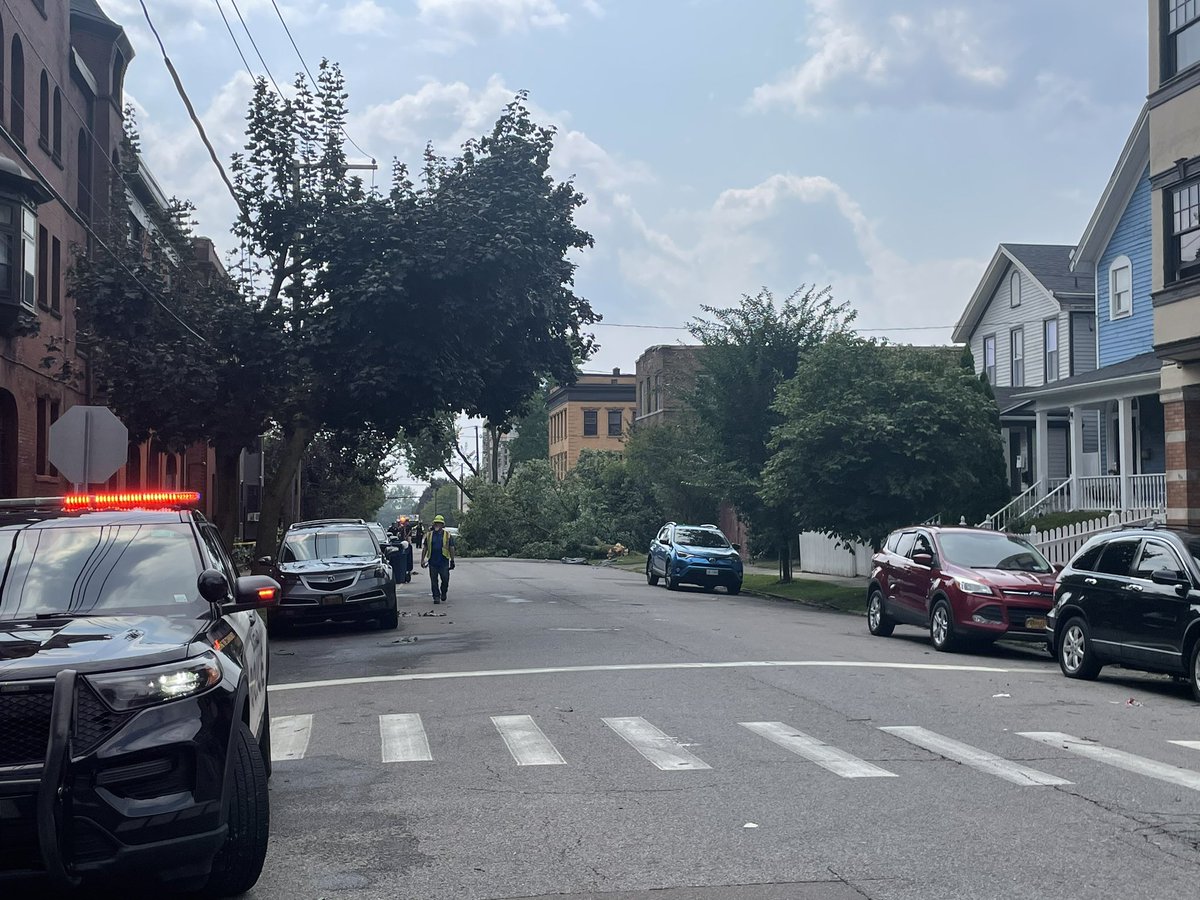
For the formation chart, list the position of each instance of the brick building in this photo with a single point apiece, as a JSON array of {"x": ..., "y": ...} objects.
[
  {"x": 62, "y": 67},
  {"x": 666, "y": 375},
  {"x": 1174, "y": 105},
  {"x": 592, "y": 414}
]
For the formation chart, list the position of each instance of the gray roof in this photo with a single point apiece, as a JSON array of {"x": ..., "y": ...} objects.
[
  {"x": 1142, "y": 364},
  {"x": 1051, "y": 265},
  {"x": 91, "y": 9}
]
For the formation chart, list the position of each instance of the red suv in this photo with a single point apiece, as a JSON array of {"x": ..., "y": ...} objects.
[{"x": 960, "y": 583}]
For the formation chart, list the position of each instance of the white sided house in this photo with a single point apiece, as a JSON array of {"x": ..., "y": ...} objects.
[{"x": 1032, "y": 322}]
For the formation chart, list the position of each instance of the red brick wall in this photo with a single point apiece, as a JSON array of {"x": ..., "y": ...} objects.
[{"x": 1181, "y": 414}]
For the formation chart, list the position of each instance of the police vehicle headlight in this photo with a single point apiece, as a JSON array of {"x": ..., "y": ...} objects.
[{"x": 139, "y": 688}]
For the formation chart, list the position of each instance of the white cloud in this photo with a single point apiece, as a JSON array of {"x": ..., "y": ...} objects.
[
  {"x": 860, "y": 58},
  {"x": 507, "y": 15},
  {"x": 363, "y": 17}
]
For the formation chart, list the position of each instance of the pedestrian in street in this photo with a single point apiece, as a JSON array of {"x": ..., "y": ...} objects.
[{"x": 437, "y": 552}]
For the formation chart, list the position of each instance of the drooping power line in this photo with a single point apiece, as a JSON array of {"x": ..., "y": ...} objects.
[{"x": 233, "y": 36}]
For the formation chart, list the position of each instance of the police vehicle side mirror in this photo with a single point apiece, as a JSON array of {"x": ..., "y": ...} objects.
[
  {"x": 213, "y": 586},
  {"x": 254, "y": 592}
]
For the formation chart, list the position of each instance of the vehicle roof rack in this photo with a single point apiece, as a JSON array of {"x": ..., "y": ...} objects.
[{"x": 310, "y": 522}]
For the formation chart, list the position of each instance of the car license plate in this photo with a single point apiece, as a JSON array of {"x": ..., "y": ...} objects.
[
  {"x": 332, "y": 599},
  {"x": 1036, "y": 623},
  {"x": 710, "y": 571}
]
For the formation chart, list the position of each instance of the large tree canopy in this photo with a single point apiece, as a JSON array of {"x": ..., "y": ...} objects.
[{"x": 873, "y": 437}]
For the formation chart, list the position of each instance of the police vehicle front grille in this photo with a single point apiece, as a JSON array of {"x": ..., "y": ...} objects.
[
  {"x": 24, "y": 722},
  {"x": 94, "y": 721}
]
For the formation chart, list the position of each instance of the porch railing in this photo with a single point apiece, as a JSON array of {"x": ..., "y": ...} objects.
[
  {"x": 1016, "y": 509},
  {"x": 1099, "y": 492},
  {"x": 1058, "y": 499},
  {"x": 1147, "y": 492}
]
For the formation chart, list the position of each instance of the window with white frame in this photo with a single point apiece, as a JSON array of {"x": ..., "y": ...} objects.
[
  {"x": 1120, "y": 288},
  {"x": 989, "y": 358},
  {"x": 1181, "y": 36},
  {"x": 1014, "y": 289},
  {"x": 1018, "y": 357},
  {"x": 1050, "y": 343}
]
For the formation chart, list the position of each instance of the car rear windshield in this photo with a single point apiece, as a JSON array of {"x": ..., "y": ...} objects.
[
  {"x": 99, "y": 569},
  {"x": 700, "y": 537},
  {"x": 334, "y": 544},
  {"x": 991, "y": 550}
]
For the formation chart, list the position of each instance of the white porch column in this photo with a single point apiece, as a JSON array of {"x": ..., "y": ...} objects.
[
  {"x": 1125, "y": 439},
  {"x": 1077, "y": 414},
  {"x": 1041, "y": 471}
]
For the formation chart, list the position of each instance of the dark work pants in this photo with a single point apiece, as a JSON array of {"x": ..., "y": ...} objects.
[{"x": 436, "y": 574}]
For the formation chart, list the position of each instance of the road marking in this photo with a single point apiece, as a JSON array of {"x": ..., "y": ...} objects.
[
  {"x": 830, "y": 758},
  {"x": 1191, "y": 745},
  {"x": 526, "y": 742},
  {"x": 650, "y": 667},
  {"x": 1139, "y": 765},
  {"x": 289, "y": 737},
  {"x": 404, "y": 738},
  {"x": 585, "y": 629},
  {"x": 665, "y": 752},
  {"x": 973, "y": 757}
]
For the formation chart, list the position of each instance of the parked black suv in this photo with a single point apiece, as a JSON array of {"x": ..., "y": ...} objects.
[
  {"x": 134, "y": 726},
  {"x": 333, "y": 570},
  {"x": 1130, "y": 597}
]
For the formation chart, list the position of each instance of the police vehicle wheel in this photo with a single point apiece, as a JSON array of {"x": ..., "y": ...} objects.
[
  {"x": 239, "y": 862},
  {"x": 264, "y": 739}
]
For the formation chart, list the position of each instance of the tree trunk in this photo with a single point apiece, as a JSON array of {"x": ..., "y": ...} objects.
[
  {"x": 495, "y": 438},
  {"x": 296, "y": 439},
  {"x": 228, "y": 493},
  {"x": 785, "y": 562}
]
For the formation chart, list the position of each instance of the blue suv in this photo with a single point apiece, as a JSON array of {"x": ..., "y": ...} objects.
[{"x": 694, "y": 554}]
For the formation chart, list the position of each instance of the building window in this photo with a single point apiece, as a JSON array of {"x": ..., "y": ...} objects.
[
  {"x": 1182, "y": 36},
  {"x": 989, "y": 358},
  {"x": 30, "y": 253},
  {"x": 616, "y": 424},
  {"x": 590, "y": 417},
  {"x": 1050, "y": 342},
  {"x": 44, "y": 113},
  {"x": 1185, "y": 231},
  {"x": 84, "y": 199},
  {"x": 47, "y": 415},
  {"x": 1018, "y": 357},
  {"x": 43, "y": 267},
  {"x": 1014, "y": 289},
  {"x": 1120, "y": 288},
  {"x": 16, "y": 88},
  {"x": 55, "y": 275},
  {"x": 57, "y": 143}
]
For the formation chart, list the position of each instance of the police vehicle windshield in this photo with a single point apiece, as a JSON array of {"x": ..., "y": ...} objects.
[
  {"x": 332, "y": 544},
  {"x": 99, "y": 570}
]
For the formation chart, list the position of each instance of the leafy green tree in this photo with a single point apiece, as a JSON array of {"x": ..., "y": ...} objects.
[
  {"x": 344, "y": 475},
  {"x": 616, "y": 506},
  {"x": 443, "y": 502},
  {"x": 872, "y": 437},
  {"x": 401, "y": 501},
  {"x": 753, "y": 348},
  {"x": 466, "y": 274},
  {"x": 533, "y": 432},
  {"x": 669, "y": 459},
  {"x": 531, "y": 516}
]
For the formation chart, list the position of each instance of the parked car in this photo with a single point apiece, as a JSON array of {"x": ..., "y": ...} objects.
[
  {"x": 1130, "y": 598},
  {"x": 694, "y": 554},
  {"x": 960, "y": 583},
  {"x": 333, "y": 570}
]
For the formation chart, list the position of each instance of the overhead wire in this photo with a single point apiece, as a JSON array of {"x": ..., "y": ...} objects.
[
  {"x": 75, "y": 214},
  {"x": 233, "y": 36},
  {"x": 254, "y": 44}
]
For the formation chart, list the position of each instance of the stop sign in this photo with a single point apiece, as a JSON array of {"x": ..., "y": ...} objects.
[{"x": 88, "y": 444}]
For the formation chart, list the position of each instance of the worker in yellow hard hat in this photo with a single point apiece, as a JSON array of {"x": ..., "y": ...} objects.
[{"x": 437, "y": 553}]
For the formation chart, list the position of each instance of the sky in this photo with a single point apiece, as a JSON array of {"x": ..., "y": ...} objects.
[{"x": 882, "y": 147}]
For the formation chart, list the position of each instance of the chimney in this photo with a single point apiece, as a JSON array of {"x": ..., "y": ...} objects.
[{"x": 617, "y": 371}]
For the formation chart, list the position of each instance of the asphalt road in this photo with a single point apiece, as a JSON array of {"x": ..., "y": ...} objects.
[{"x": 650, "y": 774}]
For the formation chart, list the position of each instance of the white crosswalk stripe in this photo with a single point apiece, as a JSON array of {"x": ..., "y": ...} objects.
[
  {"x": 1130, "y": 762},
  {"x": 289, "y": 737},
  {"x": 1191, "y": 745},
  {"x": 663, "y": 751},
  {"x": 526, "y": 742},
  {"x": 404, "y": 738},
  {"x": 973, "y": 757},
  {"x": 830, "y": 758}
]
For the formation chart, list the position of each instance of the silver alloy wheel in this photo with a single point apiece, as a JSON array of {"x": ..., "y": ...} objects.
[
  {"x": 941, "y": 625},
  {"x": 1074, "y": 647},
  {"x": 874, "y": 612},
  {"x": 1195, "y": 668}
]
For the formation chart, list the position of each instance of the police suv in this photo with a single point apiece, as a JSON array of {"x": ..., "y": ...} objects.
[{"x": 134, "y": 725}]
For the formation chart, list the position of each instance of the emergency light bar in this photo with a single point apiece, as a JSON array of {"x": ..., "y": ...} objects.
[{"x": 130, "y": 500}]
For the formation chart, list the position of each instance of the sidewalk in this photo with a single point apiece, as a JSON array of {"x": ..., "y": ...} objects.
[{"x": 857, "y": 581}]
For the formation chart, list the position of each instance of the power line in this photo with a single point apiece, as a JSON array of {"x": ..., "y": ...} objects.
[
  {"x": 295, "y": 47},
  {"x": 254, "y": 44},
  {"x": 229, "y": 28}
]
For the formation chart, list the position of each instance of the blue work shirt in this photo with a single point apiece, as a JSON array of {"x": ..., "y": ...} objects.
[{"x": 436, "y": 556}]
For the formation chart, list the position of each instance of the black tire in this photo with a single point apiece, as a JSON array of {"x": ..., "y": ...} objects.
[
  {"x": 709, "y": 588},
  {"x": 264, "y": 739},
  {"x": 672, "y": 584},
  {"x": 1075, "y": 655},
  {"x": 734, "y": 589},
  {"x": 651, "y": 578},
  {"x": 239, "y": 862},
  {"x": 879, "y": 623},
  {"x": 941, "y": 627}
]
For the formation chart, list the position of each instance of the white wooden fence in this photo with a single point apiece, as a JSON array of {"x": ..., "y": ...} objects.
[{"x": 821, "y": 554}]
